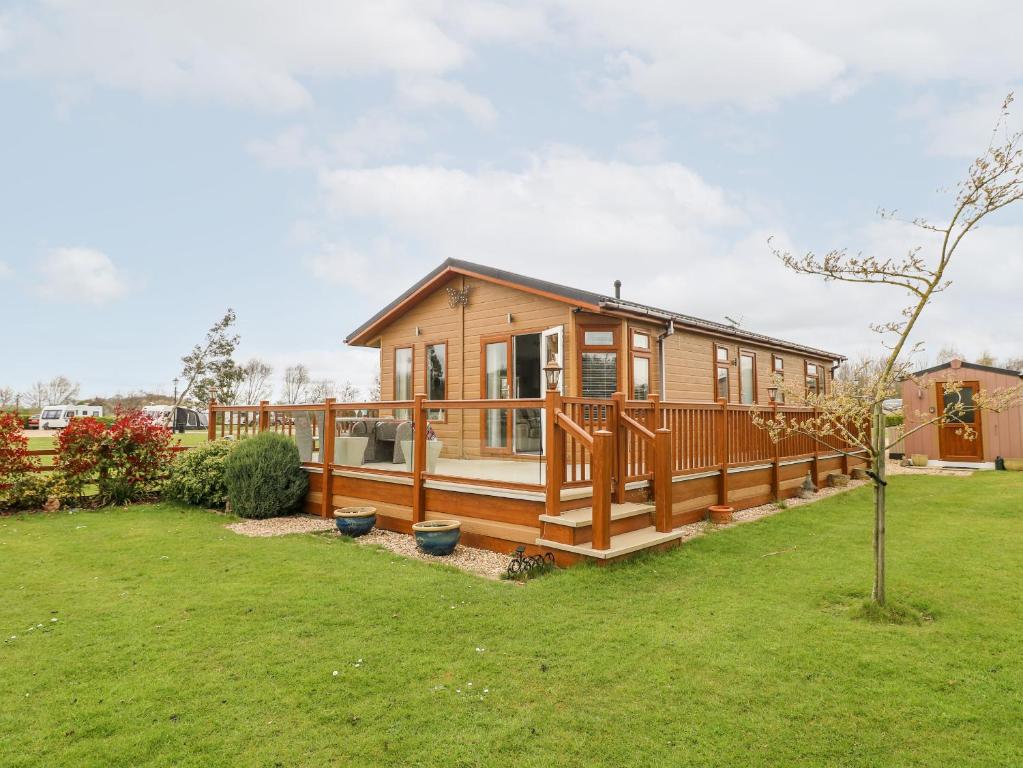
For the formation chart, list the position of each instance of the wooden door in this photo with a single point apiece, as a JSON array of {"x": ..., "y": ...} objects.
[{"x": 953, "y": 444}]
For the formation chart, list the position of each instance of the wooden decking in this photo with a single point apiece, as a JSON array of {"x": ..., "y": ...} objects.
[{"x": 615, "y": 476}]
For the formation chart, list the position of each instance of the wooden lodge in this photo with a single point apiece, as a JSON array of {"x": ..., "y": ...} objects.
[{"x": 566, "y": 421}]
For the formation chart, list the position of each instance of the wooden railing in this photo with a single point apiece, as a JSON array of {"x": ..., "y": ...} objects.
[{"x": 603, "y": 444}]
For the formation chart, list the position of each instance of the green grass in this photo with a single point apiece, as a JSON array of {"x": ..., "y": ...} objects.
[{"x": 180, "y": 643}]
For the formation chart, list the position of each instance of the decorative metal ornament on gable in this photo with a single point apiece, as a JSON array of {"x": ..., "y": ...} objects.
[{"x": 458, "y": 296}]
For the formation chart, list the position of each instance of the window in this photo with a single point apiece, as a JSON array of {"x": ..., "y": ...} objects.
[
  {"x": 50, "y": 415},
  {"x": 599, "y": 338},
  {"x": 747, "y": 378},
  {"x": 403, "y": 379},
  {"x": 813, "y": 379},
  {"x": 721, "y": 373},
  {"x": 436, "y": 378},
  {"x": 640, "y": 365},
  {"x": 640, "y": 378},
  {"x": 778, "y": 380},
  {"x": 495, "y": 383},
  {"x": 598, "y": 363}
]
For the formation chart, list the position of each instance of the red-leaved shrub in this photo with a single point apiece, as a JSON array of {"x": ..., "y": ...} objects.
[
  {"x": 127, "y": 461},
  {"x": 14, "y": 459}
]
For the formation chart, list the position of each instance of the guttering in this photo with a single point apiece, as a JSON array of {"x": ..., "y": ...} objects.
[
  {"x": 756, "y": 338},
  {"x": 669, "y": 330}
]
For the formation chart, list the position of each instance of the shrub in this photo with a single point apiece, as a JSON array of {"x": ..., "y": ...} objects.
[
  {"x": 28, "y": 491},
  {"x": 894, "y": 419},
  {"x": 264, "y": 476},
  {"x": 128, "y": 461},
  {"x": 197, "y": 475},
  {"x": 14, "y": 459}
]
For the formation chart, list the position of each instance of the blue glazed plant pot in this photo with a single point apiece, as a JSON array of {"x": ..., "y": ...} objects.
[
  {"x": 355, "y": 521},
  {"x": 437, "y": 537}
]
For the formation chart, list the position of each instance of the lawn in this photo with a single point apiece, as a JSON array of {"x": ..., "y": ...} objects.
[{"x": 177, "y": 642}]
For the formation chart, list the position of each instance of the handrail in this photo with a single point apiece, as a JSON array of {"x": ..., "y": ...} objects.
[
  {"x": 635, "y": 426},
  {"x": 566, "y": 423},
  {"x": 492, "y": 404}
]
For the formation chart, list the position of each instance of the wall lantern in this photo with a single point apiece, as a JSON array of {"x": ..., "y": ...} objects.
[
  {"x": 552, "y": 371},
  {"x": 772, "y": 393}
]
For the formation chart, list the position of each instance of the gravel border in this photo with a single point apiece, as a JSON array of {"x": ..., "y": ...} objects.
[{"x": 491, "y": 565}]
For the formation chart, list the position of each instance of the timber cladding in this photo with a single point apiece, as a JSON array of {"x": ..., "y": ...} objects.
[{"x": 463, "y": 329}]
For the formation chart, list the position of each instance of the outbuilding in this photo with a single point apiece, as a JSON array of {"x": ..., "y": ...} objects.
[{"x": 947, "y": 443}]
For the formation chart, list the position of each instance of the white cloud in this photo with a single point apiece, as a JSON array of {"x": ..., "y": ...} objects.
[
  {"x": 341, "y": 363},
  {"x": 565, "y": 212},
  {"x": 755, "y": 54},
  {"x": 250, "y": 53},
  {"x": 5, "y": 271},
  {"x": 962, "y": 128},
  {"x": 435, "y": 91},
  {"x": 79, "y": 274}
]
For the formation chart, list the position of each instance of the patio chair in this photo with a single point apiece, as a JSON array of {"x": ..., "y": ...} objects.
[{"x": 403, "y": 432}]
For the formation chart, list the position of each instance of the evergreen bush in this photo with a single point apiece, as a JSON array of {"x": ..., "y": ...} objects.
[{"x": 264, "y": 477}]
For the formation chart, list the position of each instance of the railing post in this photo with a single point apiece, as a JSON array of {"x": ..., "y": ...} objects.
[
  {"x": 662, "y": 479},
  {"x": 211, "y": 421},
  {"x": 621, "y": 447},
  {"x": 555, "y": 454},
  {"x": 655, "y": 413},
  {"x": 418, "y": 459},
  {"x": 722, "y": 440},
  {"x": 775, "y": 466},
  {"x": 264, "y": 415},
  {"x": 816, "y": 456},
  {"x": 603, "y": 448},
  {"x": 327, "y": 458}
]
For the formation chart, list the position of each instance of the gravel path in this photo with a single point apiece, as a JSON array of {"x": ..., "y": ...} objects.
[{"x": 280, "y": 526}]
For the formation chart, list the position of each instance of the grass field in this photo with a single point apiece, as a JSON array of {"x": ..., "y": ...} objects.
[{"x": 177, "y": 642}]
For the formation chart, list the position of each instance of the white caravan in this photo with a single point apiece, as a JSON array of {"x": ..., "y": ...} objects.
[{"x": 58, "y": 416}]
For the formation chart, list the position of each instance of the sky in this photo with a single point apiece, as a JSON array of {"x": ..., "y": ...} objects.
[{"x": 305, "y": 162}]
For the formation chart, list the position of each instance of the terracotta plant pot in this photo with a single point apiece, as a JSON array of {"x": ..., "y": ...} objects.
[
  {"x": 437, "y": 537},
  {"x": 355, "y": 521},
  {"x": 720, "y": 514},
  {"x": 919, "y": 459}
]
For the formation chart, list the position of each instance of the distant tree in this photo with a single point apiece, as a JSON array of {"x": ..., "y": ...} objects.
[
  {"x": 986, "y": 358},
  {"x": 7, "y": 397},
  {"x": 1013, "y": 363},
  {"x": 255, "y": 382},
  {"x": 852, "y": 411},
  {"x": 295, "y": 384},
  {"x": 38, "y": 395},
  {"x": 62, "y": 390},
  {"x": 319, "y": 391},
  {"x": 209, "y": 370},
  {"x": 373, "y": 395},
  {"x": 348, "y": 393},
  {"x": 947, "y": 353}
]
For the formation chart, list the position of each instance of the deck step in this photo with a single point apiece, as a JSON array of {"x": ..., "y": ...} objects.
[
  {"x": 622, "y": 544},
  {"x": 582, "y": 517}
]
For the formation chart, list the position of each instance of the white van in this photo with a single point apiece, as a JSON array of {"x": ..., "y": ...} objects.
[{"x": 58, "y": 416}]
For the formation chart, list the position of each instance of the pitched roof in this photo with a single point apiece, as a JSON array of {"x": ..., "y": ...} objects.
[
  {"x": 595, "y": 302},
  {"x": 973, "y": 366}
]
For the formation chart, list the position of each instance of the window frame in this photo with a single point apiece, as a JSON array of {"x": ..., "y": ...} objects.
[
  {"x": 485, "y": 341},
  {"x": 412, "y": 380},
  {"x": 640, "y": 353},
  {"x": 778, "y": 377},
  {"x": 439, "y": 415},
  {"x": 716, "y": 366},
  {"x": 751, "y": 354},
  {"x": 614, "y": 347},
  {"x": 818, "y": 379}
]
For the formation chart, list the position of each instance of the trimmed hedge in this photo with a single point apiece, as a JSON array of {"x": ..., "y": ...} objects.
[{"x": 264, "y": 477}]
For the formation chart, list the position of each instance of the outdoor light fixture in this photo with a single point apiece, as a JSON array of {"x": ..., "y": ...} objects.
[
  {"x": 772, "y": 393},
  {"x": 552, "y": 371}
]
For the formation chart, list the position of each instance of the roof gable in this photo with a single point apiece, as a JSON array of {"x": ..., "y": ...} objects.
[{"x": 593, "y": 302}]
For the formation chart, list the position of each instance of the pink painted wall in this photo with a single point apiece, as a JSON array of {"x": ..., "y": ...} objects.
[{"x": 1001, "y": 433}]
